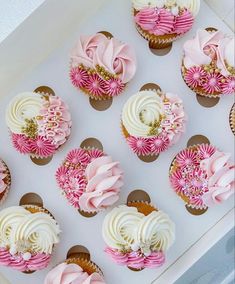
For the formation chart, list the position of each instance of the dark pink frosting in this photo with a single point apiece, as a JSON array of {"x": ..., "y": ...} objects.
[{"x": 36, "y": 262}]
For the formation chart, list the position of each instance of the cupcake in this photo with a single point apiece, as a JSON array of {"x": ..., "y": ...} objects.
[
  {"x": 138, "y": 235},
  {"x": 163, "y": 21},
  {"x": 232, "y": 119},
  {"x": 152, "y": 121},
  {"x": 27, "y": 236},
  {"x": 75, "y": 270},
  {"x": 90, "y": 180},
  {"x": 5, "y": 180},
  {"x": 39, "y": 123},
  {"x": 208, "y": 63},
  {"x": 202, "y": 176},
  {"x": 101, "y": 66}
]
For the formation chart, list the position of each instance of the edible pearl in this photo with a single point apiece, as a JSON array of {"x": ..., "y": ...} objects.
[
  {"x": 26, "y": 256},
  {"x": 135, "y": 247},
  {"x": 13, "y": 250},
  {"x": 175, "y": 11}
]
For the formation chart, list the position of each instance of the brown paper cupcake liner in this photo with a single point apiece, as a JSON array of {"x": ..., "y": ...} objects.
[
  {"x": 7, "y": 181},
  {"x": 87, "y": 265},
  {"x": 232, "y": 119},
  {"x": 143, "y": 207}
]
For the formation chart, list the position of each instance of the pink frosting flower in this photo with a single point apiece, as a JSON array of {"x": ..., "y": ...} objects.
[
  {"x": 177, "y": 181},
  {"x": 221, "y": 182},
  {"x": 117, "y": 58},
  {"x": 95, "y": 85},
  {"x": 21, "y": 143},
  {"x": 113, "y": 87},
  {"x": 159, "y": 144},
  {"x": 184, "y": 22},
  {"x": 104, "y": 179},
  {"x": 85, "y": 49},
  {"x": 156, "y": 21},
  {"x": 72, "y": 274},
  {"x": 36, "y": 262},
  {"x": 117, "y": 256},
  {"x": 205, "y": 151},
  {"x": 187, "y": 157},
  {"x": 195, "y": 76},
  {"x": 95, "y": 153},
  {"x": 136, "y": 260},
  {"x": 228, "y": 87},
  {"x": 140, "y": 146},
  {"x": 155, "y": 259},
  {"x": 79, "y": 77},
  {"x": 212, "y": 83},
  {"x": 78, "y": 156},
  {"x": 42, "y": 147},
  {"x": 61, "y": 175}
]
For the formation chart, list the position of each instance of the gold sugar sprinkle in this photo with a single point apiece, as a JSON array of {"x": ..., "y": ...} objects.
[{"x": 30, "y": 129}]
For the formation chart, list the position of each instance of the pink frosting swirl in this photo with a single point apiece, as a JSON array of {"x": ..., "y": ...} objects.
[
  {"x": 84, "y": 50},
  {"x": 205, "y": 47},
  {"x": 117, "y": 58},
  {"x": 221, "y": 182},
  {"x": 155, "y": 21},
  {"x": 72, "y": 274},
  {"x": 36, "y": 262},
  {"x": 184, "y": 22},
  {"x": 136, "y": 259},
  {"x": 104, "y": 179}
]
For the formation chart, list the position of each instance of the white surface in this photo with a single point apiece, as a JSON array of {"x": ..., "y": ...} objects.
[
  {"x": 13, "y": 13},
  {"x": 105, "y": 126}
]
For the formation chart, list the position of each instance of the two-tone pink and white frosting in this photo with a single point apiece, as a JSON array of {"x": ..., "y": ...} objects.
[
  {"x": 154, "y": 121},
  {"x": 72, "y": 274},
  {"x": 101, "y": 66},
  {"x": 204, "y": 175},
  {"x": 3, "y": 175},
  {"x": 209, "y": 62},
  {"x": 165, "y": 17},
  {"x": 39, "y": 124},
  {"x": 90, "y": 180}
]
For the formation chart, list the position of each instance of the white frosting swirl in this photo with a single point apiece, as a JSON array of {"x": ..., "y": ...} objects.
[
  {"x": 126, "y": 228},
  {"x": 24, "y": 231},
  {"x": 140, "y": 4},
  {"x": 155, "y": 231},
  {"x": 23, "y": 106},
  {"x": 192, "y": 5},
  {"x": 9, "y": 218},
  {"x": 140, "y": 111},
  {"x": 119, "y": 226}
]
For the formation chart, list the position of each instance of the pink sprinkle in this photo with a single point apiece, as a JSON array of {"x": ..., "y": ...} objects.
[{"x": 21, "y": 143}]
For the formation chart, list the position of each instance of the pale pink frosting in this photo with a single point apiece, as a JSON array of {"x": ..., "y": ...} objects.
[
  {"x": 117, "y": 58},
  {"x": 104, "y": 179},
  {"x": 36, "y": 262},
  {"x": 56, "y": 122},
  {"x": 220, "y": 173},
  {"x": 155, "y": 21},
  {"x": 83, "y": 52},
  {"x": 72, "y": 274},
  {"x": 136, "y": 259},
  {"x": 205, "y": 47},
  {"x": 3, "y": 174}
]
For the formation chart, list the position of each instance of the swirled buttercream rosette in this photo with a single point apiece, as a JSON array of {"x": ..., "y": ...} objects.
[
  {"x": 101, "y": 66},
  {"x": 89, "y": 179},
  {"x": 152, "y": 121},
  {"x": 5, "y": 181},
  {"x": 163, "y": 21},
  {"x": 208, "y": 63},
  {"x": 27, "y": 236},
  {"x": 137, "y": 235},
  {"x": 202, "y": 176},
  {"x": 39, "y": 123},
  {"x": 77, "y": 268}
]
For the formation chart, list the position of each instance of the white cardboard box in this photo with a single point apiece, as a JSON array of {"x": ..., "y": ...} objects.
[{"x": 37, "y": 53}]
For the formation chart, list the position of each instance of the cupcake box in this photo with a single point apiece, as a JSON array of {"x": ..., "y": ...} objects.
[{"x": 45, "y": 58}]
